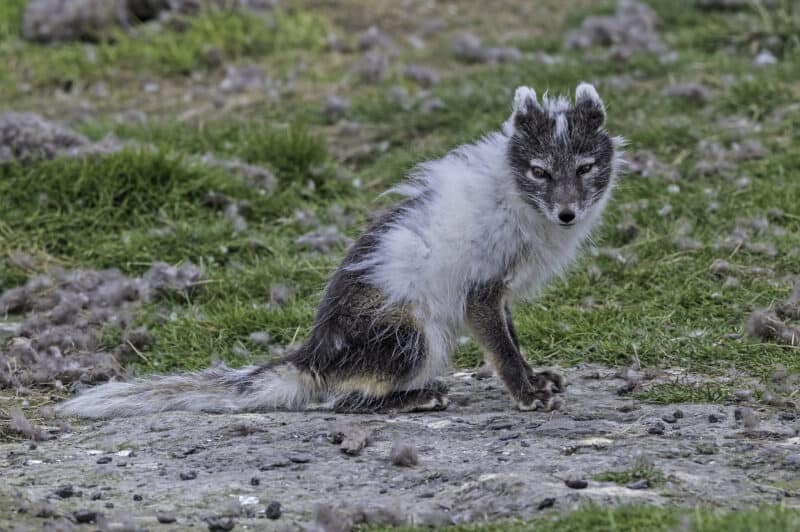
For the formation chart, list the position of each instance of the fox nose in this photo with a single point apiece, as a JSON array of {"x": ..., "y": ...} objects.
[{"x": 566, "y": 216}]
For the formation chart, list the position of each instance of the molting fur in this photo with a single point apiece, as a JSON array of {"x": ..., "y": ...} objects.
[{"x": 489, "y": 221}]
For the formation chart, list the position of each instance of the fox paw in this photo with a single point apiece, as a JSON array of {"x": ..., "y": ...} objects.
[
  {"x": 547, "y": 381},
  {"x": 538, "y": 402}
]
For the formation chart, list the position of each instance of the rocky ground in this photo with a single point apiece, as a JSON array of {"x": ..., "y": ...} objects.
[
  {"x": 478, "y": 461},
  {"x": 179, "y": 177}
]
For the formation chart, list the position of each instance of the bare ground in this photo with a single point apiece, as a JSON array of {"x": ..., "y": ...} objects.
[{"x": 478, "y": 461}]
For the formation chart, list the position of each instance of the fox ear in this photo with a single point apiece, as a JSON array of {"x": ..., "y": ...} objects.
[
  {"x": 525, "y": 108},
  {"x": 589, "y": 106},
  {"x": 525, "y": 101}
]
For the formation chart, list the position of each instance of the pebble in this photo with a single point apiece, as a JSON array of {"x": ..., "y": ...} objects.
[
  {"x": 255, "y": 481},
  {"x": 403, "y": 455},
  {"x": 546, "y": 503},
  {"x": 657, "y": 429},
  {"x": 299, "y": 458},
  {"x": 715, "y": 418},
  {"x": 765, "y": 58},
  {"x": 677, "y": 414},
  {"x": 65, "y": 492},
  {"x": 218, "y": 523},
  {"x": 500, "y": 424},
  {"x": 166, "y": 518},
  {"x": 354, "y": 442},
  {"x": 261, "y": 338},
  {"x": 335, "y": 108},
  {"x": 273, "y": 510},
  {"x": 640, "y": 484},
  {"x": 792, "y": 460},
  {"x": 104, "y": 460},
  {"x": 137, "y": 497},
  {"x": 85, "y": 516},
  {"x": 576, "y": 484},
  {"x": 188, "y": 475},
  {"x": 669, "y": 419}
]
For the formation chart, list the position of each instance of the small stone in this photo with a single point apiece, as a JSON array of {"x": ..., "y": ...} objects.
[
  {"x": 403, "y": 455},
  {"x": 166, "y": 518},
  {"x": 109, "y": 505},
  {"x": 261, "y": 338},
  {"x": 137, "y": 497},
  {"x": 188, "y": 475},
  {"x": 65, "y": 492},
  {"x": 792, "y": 460},
  {"x": 743, "y": 395},
  {"x": 546, "y": 503},
  {"x": 273, "y": 510},
  {"x": 335, "y": 108},
  {"x": 657, "y": 429},
  {"x": 85, "y": 516},
  {"x": 640, "y": 484},
  {"x": 104, "y": 460},
  {"x": 707, "y": 448},
  {"x": 677, "y": 414},
  {"x": 693, "y": 92},
  {"x": 765, "y": 58},
  {"x": 500, "y": 424},
  {"x": 669, "y": 419},
  {"x": 255, "y": 481},
  {"x": 299, "y": 458},
  {"x": 715, "y": 418},
  {"x": 576, "y": 484},
  {"x": 218, "y": 523},
  {"x": 354, "y": 442}
]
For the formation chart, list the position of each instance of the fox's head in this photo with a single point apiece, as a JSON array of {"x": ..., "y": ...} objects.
[{"x": 564, "y": 162}]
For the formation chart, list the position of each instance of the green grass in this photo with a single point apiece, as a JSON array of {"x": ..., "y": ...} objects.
[
  {"x": 661, "y": 308},
  {"x": 653, "y": 476},
  {"x": 668, "y": 393},
  {"x": 121, "y": 56}
]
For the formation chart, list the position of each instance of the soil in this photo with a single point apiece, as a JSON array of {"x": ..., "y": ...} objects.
[{"x": 480, "y": 460}]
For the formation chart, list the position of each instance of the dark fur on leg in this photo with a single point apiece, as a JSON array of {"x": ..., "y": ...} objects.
[
  {"x": 421, "y": 400},
  {"x": 512, "y": 331},
  {"x": 487, "y": 316}
]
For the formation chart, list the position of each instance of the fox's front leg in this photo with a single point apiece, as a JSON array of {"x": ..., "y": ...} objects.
[
  {"x": 489, "y": 321},
  {"x": 543, "y": 378}
]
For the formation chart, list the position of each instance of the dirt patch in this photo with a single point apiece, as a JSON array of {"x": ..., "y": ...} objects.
[
  {"x": 631, "y": 30},
  {"x": 27, "y": 136},
  {"x": 50, "y": 21},
  {"x": 479, "y": 460},
  {"x": 62, "y": 315}
]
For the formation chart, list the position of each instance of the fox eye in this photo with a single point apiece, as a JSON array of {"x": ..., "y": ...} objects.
[
  {"x": 539, "y": 173},
  {"x": 584, "y": 169}
]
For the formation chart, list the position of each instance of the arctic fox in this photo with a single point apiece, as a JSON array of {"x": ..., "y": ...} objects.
[{"x": 487, "y": 222}]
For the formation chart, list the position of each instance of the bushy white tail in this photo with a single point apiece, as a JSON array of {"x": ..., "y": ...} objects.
[{"x": 216, "y": 390}]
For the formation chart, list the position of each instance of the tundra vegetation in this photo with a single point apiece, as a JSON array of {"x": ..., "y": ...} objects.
[{"x": 178, "y": 179}]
